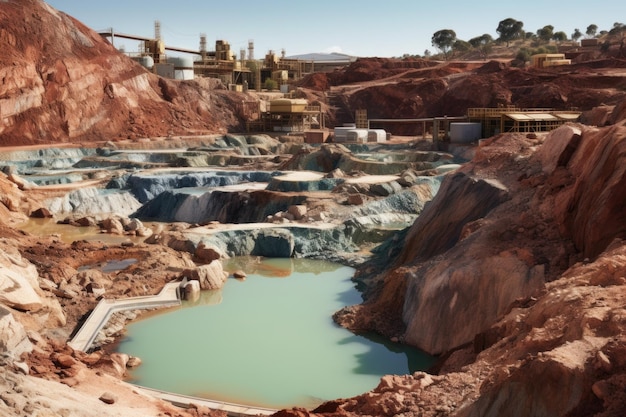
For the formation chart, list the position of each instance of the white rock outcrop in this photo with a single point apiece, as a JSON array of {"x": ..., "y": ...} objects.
[
  {"x": 13, "y": 338},
  {"x": 18, "y": 282},
  {"x": 211, "y": 276}
]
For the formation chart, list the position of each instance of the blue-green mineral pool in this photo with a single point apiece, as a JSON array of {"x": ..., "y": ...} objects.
[{"x": 267, "y": 341}]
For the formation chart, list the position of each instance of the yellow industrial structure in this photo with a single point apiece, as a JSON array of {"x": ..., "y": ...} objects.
[
  {"x": 512, "y": 119},
  {"x": 549, "y": 60},
  {"x": 288, "y": 115},
  {"x": 238, "y": 72},
  {"x": 222, "y": 64}
]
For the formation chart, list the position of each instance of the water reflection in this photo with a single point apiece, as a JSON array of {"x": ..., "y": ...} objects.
[
  {"x": 413, "y": 359},
  {"x": 206, "y": 298},
  {"x": 68, "y": 233},
  {"x": 278, "y": 267}
]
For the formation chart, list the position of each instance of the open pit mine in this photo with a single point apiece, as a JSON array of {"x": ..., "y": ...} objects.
[{"x": 469, "y": 250}]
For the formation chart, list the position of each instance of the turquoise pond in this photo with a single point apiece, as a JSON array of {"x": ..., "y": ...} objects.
[{"x": 267, "y": 341}]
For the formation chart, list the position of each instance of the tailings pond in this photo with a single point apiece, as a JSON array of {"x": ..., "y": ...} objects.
[{"x": 268, "y": 340}]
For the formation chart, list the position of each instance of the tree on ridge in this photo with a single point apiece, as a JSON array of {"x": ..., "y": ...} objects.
[
  {"x": 591, "y": 30},
  {"x": 443, "y": 40},
  {"x": 510, "y": 29},
  {"x": 559, "y": 36},
  {"x": 546, "y": 33},
  {"x": 483, "y": 43}
]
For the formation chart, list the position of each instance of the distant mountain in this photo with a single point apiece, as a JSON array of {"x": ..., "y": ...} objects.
[{"x": 324, "y": 57}]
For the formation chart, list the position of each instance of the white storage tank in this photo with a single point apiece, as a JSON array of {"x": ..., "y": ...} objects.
[
  {"x": 465, "y": 132},
  {"x": 183, "y": 68},
  {"x": 376, "y": 135},
  {"x": 145, "y": 61},
  {"x": 340, "y": 133},
  {"x": 356, "y": 135},
  {"x": 164, "y": 70}
]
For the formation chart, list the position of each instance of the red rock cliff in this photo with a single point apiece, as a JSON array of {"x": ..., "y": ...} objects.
[{"x": 60, "y": 81}]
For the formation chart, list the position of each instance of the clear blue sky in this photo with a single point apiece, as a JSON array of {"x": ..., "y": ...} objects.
[{"x": 364, "y": 28}]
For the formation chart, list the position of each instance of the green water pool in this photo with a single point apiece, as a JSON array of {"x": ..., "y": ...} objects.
[{"x": 268, "y": 340}]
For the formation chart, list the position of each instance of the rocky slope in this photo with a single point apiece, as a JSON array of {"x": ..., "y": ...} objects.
[
  {"x": 528, "y": 288},
  {"x": 528, "y": 303},
  {"x": 421, "y": 88},
  {"x": 60, "y": 74}
]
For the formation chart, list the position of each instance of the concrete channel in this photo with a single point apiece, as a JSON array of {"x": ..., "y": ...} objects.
[{"x": 168, "y": 297}]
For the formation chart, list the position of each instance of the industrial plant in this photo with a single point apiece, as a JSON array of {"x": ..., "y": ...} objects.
[
  {"x": 238, "y": 71},
  {"x": 242, "y": 72}
]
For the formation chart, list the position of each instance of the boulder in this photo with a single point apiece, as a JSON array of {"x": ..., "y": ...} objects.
[
  {"x": 11, "y": 258},
  {"x": 88, "y": 276},
  {"x": 41, "y": 213},
  {"x": 65, "y": 361},
  {"x": 108, "y": 398},
  {"x": 239, "y": 274},
  {"x": 211, "y": 276},
  {"x": 133, "y": 225},
  {"x": 355, "y": 199},
  {"x": 385, "y": 189},
  {"x": 86, "y": 221},
  {"x": 119, "y": 361},
  {"x": 336, "y": 173},
  {"x": 95, "y": 289},
  {"x": 112, "y": 225},
  {"x": 133, "y": 362},
  {"x": 144, "y": 232},
  {"x": 13, "y": 337},
  {"x": 192, "y": 290},
  {"x": 407, "y": 178},
  {"x": 558, "y": 148},
  {"x": 207, "y": 254},
  {"x": 297, "y": 211},
  {"x": 17, "y": 292}
]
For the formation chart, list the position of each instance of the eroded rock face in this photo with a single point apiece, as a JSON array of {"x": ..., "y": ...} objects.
[
  {"x": 18, "y": 281},
  {"x": 13, "y": 338},
  {"x": 477, "y": 248},
  {"x": 91, "y": 201},
  {"x": 439, "y": 226},
  {"x": 66, "y": 77},
  {"x": 593, "y": 209},
  {"x": 274, "y": 243},
  {"x": 552, "y": 342},
  {"x": 465, "y": 296}
]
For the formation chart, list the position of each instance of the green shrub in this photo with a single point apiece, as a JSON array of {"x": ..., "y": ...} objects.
[{"x": 270, "y": 84}]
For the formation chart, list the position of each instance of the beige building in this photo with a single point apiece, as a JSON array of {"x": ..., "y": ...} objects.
[{"x": 549, "y": 60}]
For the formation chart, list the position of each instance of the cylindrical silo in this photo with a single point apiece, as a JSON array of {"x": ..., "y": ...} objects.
[{"x": 183, "y": 68}]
